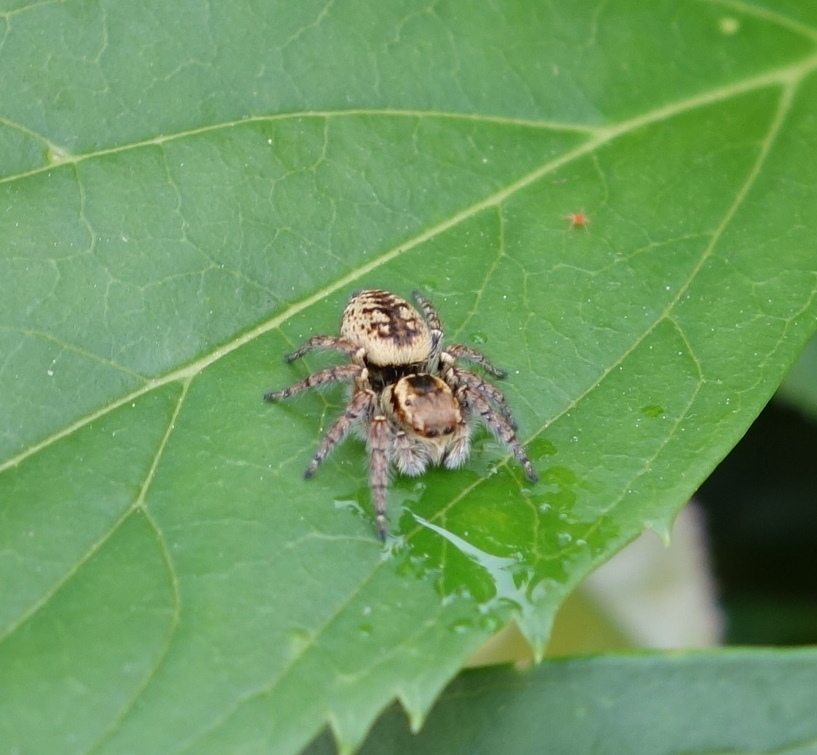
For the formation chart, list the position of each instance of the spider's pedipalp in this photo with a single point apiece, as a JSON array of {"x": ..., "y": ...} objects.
[
  {"x": 459, "y": 447},
  {"x": 502, "y": 429},
  {"x": 329, "y": 375},
  {"x": 361, "y": 404},
  {"x": 410, "y": 457}
]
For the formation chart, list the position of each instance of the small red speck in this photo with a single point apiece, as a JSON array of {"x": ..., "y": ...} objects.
[{"x": 578, "y": 219}]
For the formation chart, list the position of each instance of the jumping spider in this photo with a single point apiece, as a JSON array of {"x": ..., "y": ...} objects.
[{"x": 411, "y": 402}]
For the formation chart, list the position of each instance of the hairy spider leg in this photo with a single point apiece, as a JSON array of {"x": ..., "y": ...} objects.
[
  {"x": 470, "y": 379},
  {"x": 434, "y": 324},
  {"x": 361, "y": 404},
  {"x": 329, "y": 375},
  {"x": 334, "y": 343},
  {"x": 461, "y": 351},
  {"x": 432, "y": 318},
  {"x": 457, "y": 350},
  {"x": 499, "y": 426},
  {"x": 378, "y": 445}
]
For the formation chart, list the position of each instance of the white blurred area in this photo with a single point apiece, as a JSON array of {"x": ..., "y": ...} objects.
[
  {"x": 662, "y": 596},
  {"x": 649, "y": 595}
]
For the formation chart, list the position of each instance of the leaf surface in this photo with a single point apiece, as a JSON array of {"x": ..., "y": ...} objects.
[{"x": 191, "y": 190}]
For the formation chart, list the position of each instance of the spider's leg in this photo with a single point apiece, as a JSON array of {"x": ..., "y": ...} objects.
[
  {"x": 461, "y": 351},
  {"x": 499, "y": 426},
  {"x": 457, "y": 376},
  {"x": 329, "y": 375},
  {"x": 378, "y": 443},
  {"x": 358, "y": 406},
  {"x": 432, "y": 318},
  {"x": 434, "y": 324},
  {"x": 324, "y": 342}
]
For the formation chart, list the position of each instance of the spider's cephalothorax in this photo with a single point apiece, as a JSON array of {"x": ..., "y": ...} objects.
[{"x": 411, "y": 402}]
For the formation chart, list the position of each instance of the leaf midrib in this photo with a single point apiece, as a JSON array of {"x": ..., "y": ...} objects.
[{"x": 788, "y": 78}]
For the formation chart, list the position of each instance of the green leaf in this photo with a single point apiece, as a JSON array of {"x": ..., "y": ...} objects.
[
  {"x": 736, "y": 701},
  {"x": 189, "y": 190}
]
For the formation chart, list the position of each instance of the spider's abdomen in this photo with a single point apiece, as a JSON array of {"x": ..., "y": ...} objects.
[{"x": 390, "y": 330}]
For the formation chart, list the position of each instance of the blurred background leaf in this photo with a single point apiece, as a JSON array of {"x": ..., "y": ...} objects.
[
  {"x": 799, "y": 389},
  {"x": 737, "y": 701}
]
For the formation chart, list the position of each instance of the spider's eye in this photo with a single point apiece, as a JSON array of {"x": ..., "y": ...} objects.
[{"x": 426, "y": 404}]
